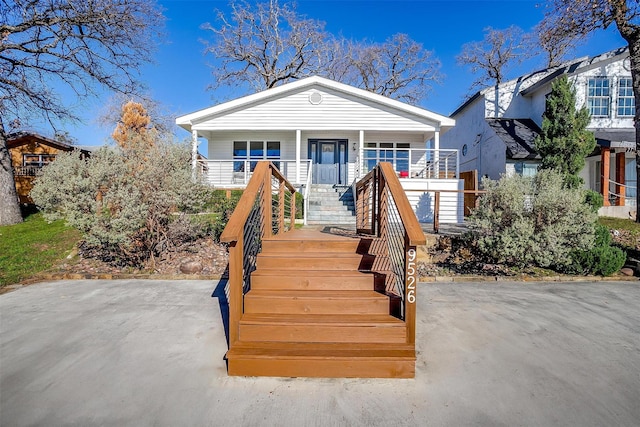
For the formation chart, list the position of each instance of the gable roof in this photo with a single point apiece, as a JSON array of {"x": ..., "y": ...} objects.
[
  {"x": 539, "y": 78},
  {"x": 518, "y": 136},
  {"x": 576, "y": 66},
  {"x": 17, "y": 139},
  {"x": 188, "y": 120}
]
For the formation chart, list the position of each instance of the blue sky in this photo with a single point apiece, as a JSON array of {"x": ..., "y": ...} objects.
[{"x": 180, "y": 76}]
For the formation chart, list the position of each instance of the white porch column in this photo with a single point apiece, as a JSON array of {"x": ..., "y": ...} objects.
[
  {"x": 194, "y": 154},
  {"x": 360, "y": 159},
  {"x": 298, "y": 137},
  {"x": 436, "y": 152}
]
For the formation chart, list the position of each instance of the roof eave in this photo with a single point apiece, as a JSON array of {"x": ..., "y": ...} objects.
[{"x": 187, "y": 121}]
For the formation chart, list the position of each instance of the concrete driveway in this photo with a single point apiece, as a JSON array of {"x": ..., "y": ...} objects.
[{"x": 140, "y": 352}]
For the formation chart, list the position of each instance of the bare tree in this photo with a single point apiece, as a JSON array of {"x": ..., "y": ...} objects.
[
  {"x": 269, "y": 44},
  {"x": 492, "y": 57},
  {"x": 554, "y": 50},
  {"x": 574, "y": 19},
  {"x": 75, "y": 43},
  {"x": 399, "y": 68},
  {"x": 265, "y": 45}
]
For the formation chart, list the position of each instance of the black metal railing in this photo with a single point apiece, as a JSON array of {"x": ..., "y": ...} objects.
[
  {"x": 383, "y": 210},
  {"x": 267, "y": 207}
]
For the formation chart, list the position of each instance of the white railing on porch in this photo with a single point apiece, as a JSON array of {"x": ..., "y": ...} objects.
[
  {"x": 236, "y": 173},
  {"x": 412, "y": 162},
  {"x": 408, "y": 163},
  {"x": 27, "y": 170}
]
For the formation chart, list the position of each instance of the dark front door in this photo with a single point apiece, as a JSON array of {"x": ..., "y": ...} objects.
[{"x": 329, "y": 159}]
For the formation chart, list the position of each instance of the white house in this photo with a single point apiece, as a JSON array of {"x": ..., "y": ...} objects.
[
  {"x": 496, "y": 128},
  {"x": 318, "y": 131}
]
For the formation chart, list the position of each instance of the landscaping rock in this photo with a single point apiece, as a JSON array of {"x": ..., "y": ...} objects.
[
  {"x": 627, "y": 271},
  {"x": 191, "y": 267}
]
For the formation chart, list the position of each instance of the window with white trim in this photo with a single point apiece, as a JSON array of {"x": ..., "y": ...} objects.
[
  {"x": 254, "y": 151},
  {"x": 598, "y": 96},
  {"x": 626, "y": 101},
  {"x": 396, "y": 153},
  {"x": 37, "y": 160}
]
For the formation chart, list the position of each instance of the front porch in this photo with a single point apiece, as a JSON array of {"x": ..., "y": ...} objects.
[
  {"x": 421, "y": 173},
  {"x": 408, "y": 163}
]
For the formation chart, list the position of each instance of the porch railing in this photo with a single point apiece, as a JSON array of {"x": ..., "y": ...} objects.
[
  {"x": 266, "y": 207},
  {"x": 232, "y": 173},
  {"x": 383, "y": 210},
  {"x": 27, "y": 170},
  {"x": 412, "y": 162}
]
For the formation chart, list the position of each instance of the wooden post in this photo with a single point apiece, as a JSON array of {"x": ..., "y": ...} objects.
[
  {"x": 620, "y": 179},
  {"x": 236, "y": 285},
  {"x": 411, "y": 285},
  {"x": 604, "y": 174}
]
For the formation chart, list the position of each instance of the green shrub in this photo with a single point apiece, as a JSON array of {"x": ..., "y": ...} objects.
[
  {"x": 129, "y": 205},
  {"x": 535, "y": 221},
  {"x": 593, "y": 199},
  {"x": 602, "y": 259}
]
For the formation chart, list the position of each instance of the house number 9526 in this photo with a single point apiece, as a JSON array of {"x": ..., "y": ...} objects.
[{"x": 411, "y": 276}]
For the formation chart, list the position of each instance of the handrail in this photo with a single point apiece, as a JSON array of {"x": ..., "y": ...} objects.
[
  {"x": 266, "y": 207},
  {"x": 383, "y": 210},
  {"x": 408, "y": 217}
]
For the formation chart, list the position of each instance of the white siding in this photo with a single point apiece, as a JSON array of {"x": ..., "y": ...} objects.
[
  {"x": 336, "y": 111},
  {"x": 422, "y": 201}
]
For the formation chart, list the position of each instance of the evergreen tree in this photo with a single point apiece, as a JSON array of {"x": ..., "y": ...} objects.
[{"x": 564, "y": 142}]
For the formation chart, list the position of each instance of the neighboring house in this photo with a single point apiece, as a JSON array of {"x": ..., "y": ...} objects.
[
  {"x": 496, "y": 128},
  {"x": 30, "y": 152},
  {"x": 318, "y": 131}
]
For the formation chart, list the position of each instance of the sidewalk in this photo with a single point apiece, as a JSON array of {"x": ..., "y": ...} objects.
[{"x": 146, "y": 352}]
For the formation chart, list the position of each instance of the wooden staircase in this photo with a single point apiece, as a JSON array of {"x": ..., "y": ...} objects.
[{"x": 316, "y": 310}]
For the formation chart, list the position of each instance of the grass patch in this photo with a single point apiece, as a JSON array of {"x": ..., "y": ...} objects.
[
  {"x": 33, "y": 246},
  {"x": 620, "y": 224},
  {"x": 626, "y": 235}
]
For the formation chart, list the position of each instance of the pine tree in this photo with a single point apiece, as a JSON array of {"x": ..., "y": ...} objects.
[{"x": 564, "y": 142}]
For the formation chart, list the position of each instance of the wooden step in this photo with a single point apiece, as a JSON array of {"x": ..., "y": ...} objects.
[
  {"x": 315, "y": 302},
  {"x": 347, "y": 328},
  {"x": 300, "y": 244},
  {"x": 309, "y": 261},
  {"x": 312, "y": 280},
  {"x": 330, "y": 360},
  {"x": 298, "y": 241}
]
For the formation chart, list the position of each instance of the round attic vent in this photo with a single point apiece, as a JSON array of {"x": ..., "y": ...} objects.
[{"x": 315, "y": 98}]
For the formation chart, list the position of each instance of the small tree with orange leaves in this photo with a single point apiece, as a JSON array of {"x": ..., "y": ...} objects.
[{"x": 134, "y": 125}]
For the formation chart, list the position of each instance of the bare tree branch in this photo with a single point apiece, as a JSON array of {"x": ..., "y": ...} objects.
[
  {"x": 399, "y": 68},
  {"x": 265, "y": 46},
  {"x": 74, "y": 42},
  {"x": 270, "y": 44},
  {"x": 492, "y": 57},
  {"x": 80, "y": 44}
]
